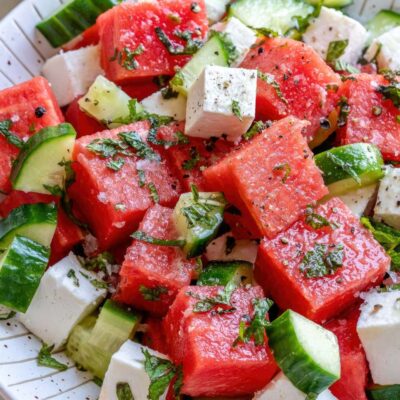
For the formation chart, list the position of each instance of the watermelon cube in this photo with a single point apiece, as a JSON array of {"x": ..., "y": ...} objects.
[
  {"x": 306, "y": 84},
  {"x": 151, "y": 275},
  {"x": 154, "y": 335},
  {"x": 354, "y": 368},
  {"x": 113, "y": 202},
  {"x": 319, "y": 265},
  {"x": 270, "y": 179},
  {"x": 203, "y": 342},
  {"x": 372, "y": 118},
  {"x": 131, "y": 46},
  {"x": 30, "y": 106}
]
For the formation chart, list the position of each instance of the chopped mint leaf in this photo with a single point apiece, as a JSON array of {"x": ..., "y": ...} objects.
[
  {"x": 344, "y": 111},
  {"x": 142, "y": 177},
  {"x": 98, "y": 284},
  {"x": 335, "y": 50},
  {"x": 126, "y": 57},
  {"x": 124, "y": 391},
  {"x": 152, "y": 294},
  {"x": 144, "y": 237},
  {"x": 236, "y": 110},
  {"x": 270, "y": 80},
  {"x": 99, "y": 262},
  {"x": 72, "y": 275},
  {"x": 46, "y": 360},
  {"x": 391, "y": 92},
  {"x": 4, "y": 316},
  {"x": 153, "y": 192},
  {"x": 116, "y": 165},
  {"x": 255, "y": 129},
  {"x": 283, "y": 167},
  {"x": 143, "y": 150},
  {"x": 11, "y": 138},
  {"x": 317, "y": 221},
  {"x": 343, "y": 66},
  {"x": 190, "y": 164},
  {"x": 55, "y": 190},
  {"x": 191, "y": 47}
]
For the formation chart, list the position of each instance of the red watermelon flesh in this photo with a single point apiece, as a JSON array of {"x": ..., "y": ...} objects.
[
  {"x": 271, "y": 179},
  {"x": 20, "y": 104},
  {"x": 154, "y": 336},
  {"x": 151, "y": 275},
  {"x": 202, "y": 342},
  {"x": 321, "y": 298}
]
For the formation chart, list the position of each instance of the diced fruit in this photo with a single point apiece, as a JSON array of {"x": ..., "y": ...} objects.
[
  {"x": 174, "y": 107},
  {"x": 29, "y": 107},
  {"x": 271, "y": 179},
  {"x": 295, "y": 81},
  {"x": 350, "y": 167},
  {"x": 377, "y": 328},
  {"x": 154, "y": 336},
  {"x": 382, "y": 22},
  {"x": 21, "y": 268},
  {"x": 71, "y": 73},
  {"x": 360, "y": 201},
  {"x": 321, "y": 262},
  {"x": 40, "y": 166},
  {"x": 219, "y": 273},
  {"x": 195, "y": 340},
  {"x": 369, "y": 117},
  {"x": 197, "y": 218},
  {"x": 134, "y": 36},
  {"x": 66, "y": 295},
  {"x": 34, "y": 221},
  {"x": 222, "y": 101},
  {"x": 121, "y": 197},
  {"x": 354, "y": 369},
  {"x": 152, "y": 274}
]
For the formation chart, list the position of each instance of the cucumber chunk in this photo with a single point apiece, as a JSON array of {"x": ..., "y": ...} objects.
[
  {"x": 331, "y": 3},
  {"x": 279, "y": 16},
  {"x": 383, "y": 22},
  {"x": 22, "y": 266},
  {"x": 349, "y": 167},
  {"x": 72, "y": 18},
  {"x": 219, "y": 273},
  {"x": 217, "y": 51},
  {"x": 40, "y": 165},
  {"x": 34, "y": 221},
  {"x": 114, "y": 326},
  {"x": 307, "y": 353},
  {"x": 197, "y": 217},
  {"x": 389, "y": 392}
]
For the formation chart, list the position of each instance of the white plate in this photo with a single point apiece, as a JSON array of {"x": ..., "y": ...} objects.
[{"x": 22, "y": 53}]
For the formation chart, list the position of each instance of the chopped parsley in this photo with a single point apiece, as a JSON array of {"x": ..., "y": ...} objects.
[
  {"x": 7, "y": 315},
  {"x": 194, "y": 159},
  {"x": 72, "y": 275},
  {"x": 152, "y": 294},
  {"x": 153, "y": 192},
  {"x": 126, "y": 58},
  {"x": 9, "y": 136},
  {"x": 335, "y": 50},
  {"x": 283, "y": 167},
  {"x": 255, "y": 129},
  {"x": 317, "y": 221},
  {"x": 143, "y": 150},
  {"x": 391, "y": 92},
  {"x": 46, "y": 360},
  {"x": 236, "y": 110},
  {"x": 124, "y": 391},
  {"x": 142, "y": 177},
  {"x": 144, "y": 237},
  {"x": 116, "y": 165},
  {"x": 270, "y": 80},
  {"x": 322, "y": 260},
  {"x": 162, "y": 373},
  {"x": 191, "y": 47},
  {"x": 346, "y": 167}
]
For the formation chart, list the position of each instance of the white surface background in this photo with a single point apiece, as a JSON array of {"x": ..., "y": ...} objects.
[{"x": 7, "y": 5}]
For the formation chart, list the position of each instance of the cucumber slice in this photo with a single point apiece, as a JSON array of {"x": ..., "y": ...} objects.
[
  {"x": 219, "y": 273},
  {"x": 389, "y": 392},
  {"x": 279, "y": 16},
  {"x": 41, "y": 161},
  {"x": 84, "y": 353},
  {"x": 217, "y": 51},
  {"x": 114, "y": 326},
  {"x": 307, "y": 353},
  {"x": 349, "y": 167},
  {"x": 383, "y": 22},
  {"x": 106, "y": 102},
  {"x": 72, "y": 18},
  {"x": 22, "y": 266},
  {"x": 34, "y": 221},
  {"x": 197, "y": 217}
]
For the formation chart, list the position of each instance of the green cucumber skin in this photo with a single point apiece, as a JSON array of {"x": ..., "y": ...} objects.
[
  {"x": 390, "y": 392},
  {"x": 382, "y": 22},
  {"x": 305, "y": 374},
  {"x": 21, "y": 269},
  {"x": 220, "y": 273},
  {"x": 332, "y": 3},
  {"x": 27, "y": 214},
  {"x": 365, "y": 160}
]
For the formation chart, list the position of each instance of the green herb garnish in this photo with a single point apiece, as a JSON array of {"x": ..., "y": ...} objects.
[
  {"x": 124, "y": 391},
  {"x": 191, "y": 47},
  {"x": 116, "y": 165},
  {"x": 236, "y": 110},
  {"x": 317, "y": 221},
  {"x": 336, "y": 49},
  {"x": 255, "y": 129},
  {"x": 153, "y": 192},
  {"x": 126, "y": 58},
  {"x": 190, "y": 164},
  {"x": 46, "y": 360},
  {"x": 4, "y": 316},
  {"x": 283, "y": 167},
  {"x": 11, "y": 138},
  {"x": 391, "y": 92},
  {"x": 270, "y": 80},
  {"x": 152, "y": 294},
  {"x": 144, "y": 237},
  {"x": 72, "y": 275}
]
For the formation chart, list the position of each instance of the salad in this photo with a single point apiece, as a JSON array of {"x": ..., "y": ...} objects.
[{"x": 202, "y": 199}]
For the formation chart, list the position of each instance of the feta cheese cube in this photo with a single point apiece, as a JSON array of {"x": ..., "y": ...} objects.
[
  {"x": 331, "y": 26},
  {"x": 360, "y": 200},
  {"x": 241, "y": 36},
  {"x": 174, "y": 107},
  {"x": 378, "y": 328},
  {"x": 385, "y": 49},
  {"x": 387, "y": 208},
  {"x": 280, "y": 388},
  {"x": 65, "y": 296},
  {"x": 127, "y": 367},
  {"x": 71, "y": 73},
  {"x": 216, "y": 9},
  {"x": 222, "y": 101},
  {"x": 244, "y": 250}
]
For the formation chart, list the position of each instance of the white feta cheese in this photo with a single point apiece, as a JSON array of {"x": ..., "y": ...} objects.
[
  {"x": 331, "y": 26},
  {"x": 241, "y": 36},
  {"x": 127, "y": 367},
  {"x": 244, "y": 250},
  {"x": 216, "y": 9},
  {"x": 360, "y": 200},
  {"x": 387, "y": 208},
  {"x": 71, "y": 73},
  {"x": 280, "y": 388},
  {"x": 222, "y": 101},
  {"x": 385, "y": 49},
  {"x": 174, "y": 107},
  {"x": 65, "y": 296},
  {"x": 378, "y": 328}
]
